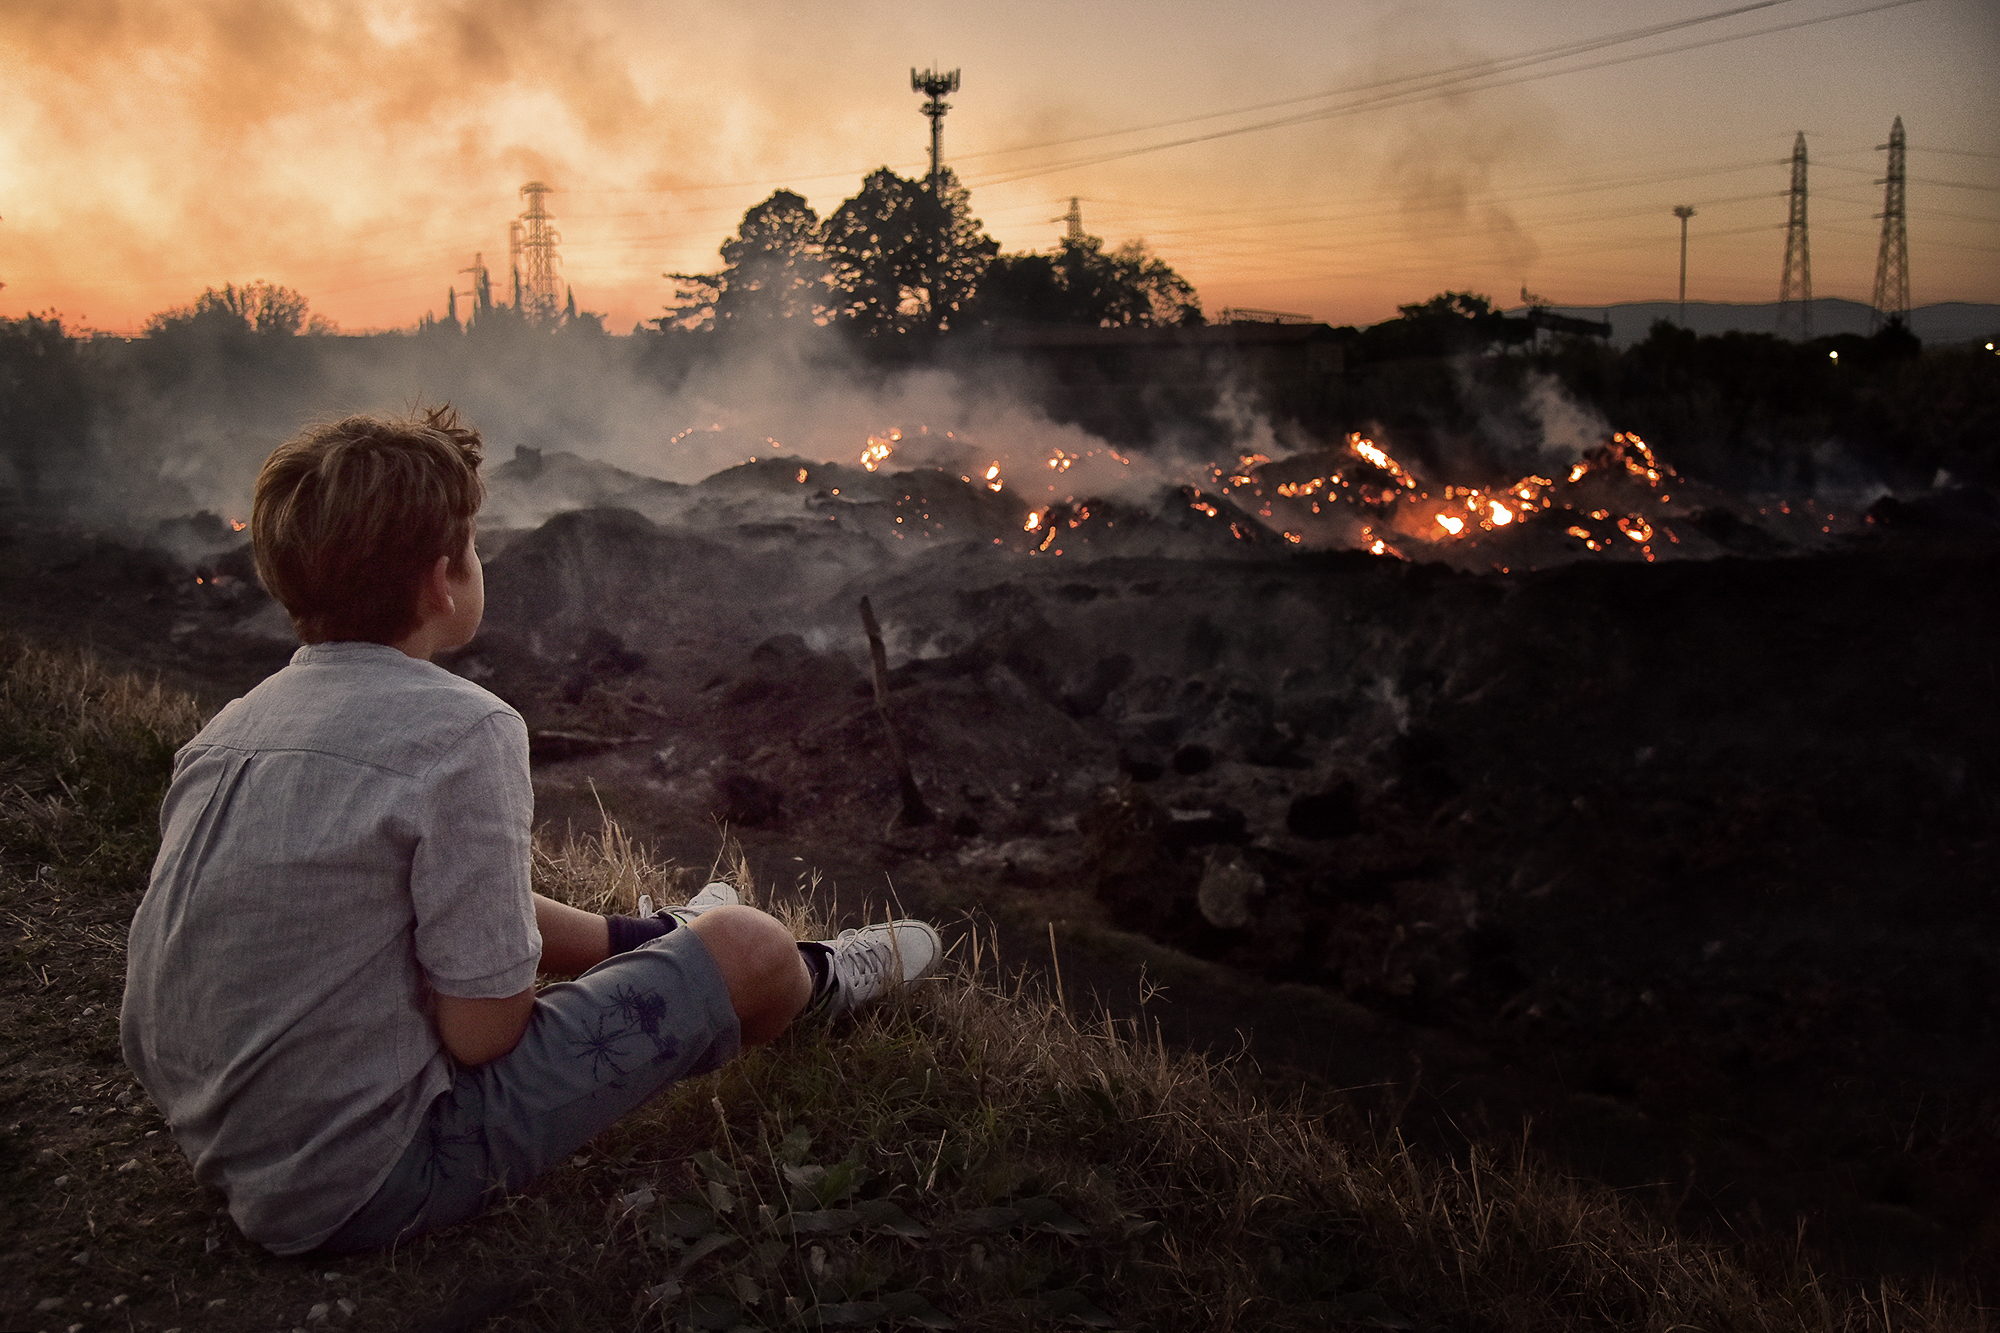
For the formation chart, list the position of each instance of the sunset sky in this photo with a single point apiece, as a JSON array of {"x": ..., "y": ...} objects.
[{"x": 1339, "y": 159}]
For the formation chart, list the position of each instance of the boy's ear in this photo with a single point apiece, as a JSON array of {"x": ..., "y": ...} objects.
[{"x": 434, "y": 593}]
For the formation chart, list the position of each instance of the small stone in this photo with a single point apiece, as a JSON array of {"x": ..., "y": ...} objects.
[
  {"x": 119, "y": 1300},
  {"x": 211, "y": 1245},
  {"x": 130, "y": 1164},
  {"x": 346, "y": 1307},
  {"x": 318, "y": 1313},
  {"x": 124, "y": 1096},
  {"x": 76, "y": 1110},
  {"x": 329, "y": 1277},
  {"x": 81, "y": 1258},
  {"x": 48, "y": 1303},
  {"x": 219, "y": 1300},
  {"x": 61, "y": 1181},
  {"x": 89, "y": 1010}
]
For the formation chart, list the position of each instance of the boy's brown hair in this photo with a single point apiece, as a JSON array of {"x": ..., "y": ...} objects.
[{"x": 349, "y": 516}]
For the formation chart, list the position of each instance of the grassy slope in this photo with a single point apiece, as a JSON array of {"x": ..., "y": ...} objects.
[{"x": 970, "y": 1154}]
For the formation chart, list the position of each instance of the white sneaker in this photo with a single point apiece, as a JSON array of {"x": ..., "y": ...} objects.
[
  {"x": 717, "y": 894},
  {"x": 867, "y": 962}
]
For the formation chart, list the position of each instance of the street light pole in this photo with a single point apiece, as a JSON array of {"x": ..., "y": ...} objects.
[{"x": 1684, "y": 212}]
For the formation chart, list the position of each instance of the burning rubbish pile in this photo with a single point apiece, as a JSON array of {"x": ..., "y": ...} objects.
[{"x": 1618, "y": 501}]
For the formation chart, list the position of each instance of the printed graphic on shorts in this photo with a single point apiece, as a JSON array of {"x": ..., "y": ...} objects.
[{"x": 646, "y": 1010}]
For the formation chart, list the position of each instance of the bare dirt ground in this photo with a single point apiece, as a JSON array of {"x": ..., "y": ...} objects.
[{"x": 1688, "y": 866}]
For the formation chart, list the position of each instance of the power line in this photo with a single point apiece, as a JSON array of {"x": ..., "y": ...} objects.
[
  {"x": 1471, "y": 67},
  {"x": 1441, "y": 87}
]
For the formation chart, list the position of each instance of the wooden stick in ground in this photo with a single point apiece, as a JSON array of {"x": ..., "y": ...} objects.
[{"x": 914, "y": 809}]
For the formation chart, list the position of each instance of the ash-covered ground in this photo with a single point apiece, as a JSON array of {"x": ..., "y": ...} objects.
[{"x": 1675, "y": 839}]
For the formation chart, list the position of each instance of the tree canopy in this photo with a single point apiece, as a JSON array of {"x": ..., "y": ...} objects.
[
  {"x": 258, "y": 307},
  {"x": 773, "y": 268},
  {"x": 1449, "y": 324},
  {"x": 1082, "y": 284},
  {"x": 902, "y": 260},
  {"x": 899, "y": 259}
]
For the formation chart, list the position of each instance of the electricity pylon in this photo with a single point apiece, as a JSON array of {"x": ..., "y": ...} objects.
[
  {"x": 934, "y": 86},
  {"x": 541, "y": 286},
  {"x": 1075, "y": 220},
  {"x": 1892, "y": 264},
  {"x": 1795, "y": 287}
]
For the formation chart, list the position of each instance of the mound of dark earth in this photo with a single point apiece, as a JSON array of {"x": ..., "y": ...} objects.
[{"x": 1691, "y": 863}]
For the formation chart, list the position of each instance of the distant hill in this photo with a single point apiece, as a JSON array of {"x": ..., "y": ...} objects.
[{"x": 1945, "y": 322}]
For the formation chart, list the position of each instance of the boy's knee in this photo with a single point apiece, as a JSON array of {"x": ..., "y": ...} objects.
[{"x": 759, "y": 960}]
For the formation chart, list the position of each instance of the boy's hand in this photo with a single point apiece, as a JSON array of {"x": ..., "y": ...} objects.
[{"x": 475, "y": 1031}]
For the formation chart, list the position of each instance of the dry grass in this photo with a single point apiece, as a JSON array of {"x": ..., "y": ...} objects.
[{"x": 971, "y": 1153}]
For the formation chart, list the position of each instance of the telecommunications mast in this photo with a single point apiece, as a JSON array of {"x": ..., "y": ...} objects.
[
  {"x": 1795, "y": 287},
  {"x": 934, "y": 85},
  {"x": 540, "y": 287},
  {"x": 1892, "y": 265}
]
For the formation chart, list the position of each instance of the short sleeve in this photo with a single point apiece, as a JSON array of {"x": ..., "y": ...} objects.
[{"x": 469, "y": 879}]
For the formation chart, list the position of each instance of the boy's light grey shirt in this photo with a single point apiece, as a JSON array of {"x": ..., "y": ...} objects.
[{"x": 339, "y": 844}]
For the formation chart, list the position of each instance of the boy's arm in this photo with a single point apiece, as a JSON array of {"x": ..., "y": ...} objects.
[
  {"x": 475, "y": 1031},
  {"x": 573, "y": 940}
]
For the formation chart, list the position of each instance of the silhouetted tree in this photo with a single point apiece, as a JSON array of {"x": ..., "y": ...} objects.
[
  {"x": 45, "y": 407},
  {"x": 901, "y": 261},
  {"x": 256, "y": 307},
  {"x": 772, "y": 269},
  {"x": 1081, "y": 284},
  {"x": 1449, "y": 324}
]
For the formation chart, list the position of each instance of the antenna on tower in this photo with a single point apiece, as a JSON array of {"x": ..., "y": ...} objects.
[
  {"x": 934, "y": 86},
  {"x": 1892, "y": 265},
  {"x": 1795, "y": 287},
  {"x": 1075, "y": 219},
  {"x": 540, "y": 291}
]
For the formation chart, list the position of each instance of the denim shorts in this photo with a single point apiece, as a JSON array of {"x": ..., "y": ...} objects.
[{"x": 594, "y": 1049}]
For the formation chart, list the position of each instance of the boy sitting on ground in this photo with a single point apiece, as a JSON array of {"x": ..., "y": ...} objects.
[{"x": 330, "y": 982}]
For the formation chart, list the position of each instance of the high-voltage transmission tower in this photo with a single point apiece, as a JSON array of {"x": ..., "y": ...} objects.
[
  {"x": 1795, "y": 288},
  {"x": 934, "y": 86},
  {"x": 1075, "y": 220},
  {"x": 533, "y": 241},
  {"x": 1892, "y": 265}
]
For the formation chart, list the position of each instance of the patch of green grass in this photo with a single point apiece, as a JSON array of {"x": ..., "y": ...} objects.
[{"x": 969, "y": 1154}]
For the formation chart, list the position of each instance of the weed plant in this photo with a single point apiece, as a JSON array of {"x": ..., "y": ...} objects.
[{"x": 969, "y": 1154}]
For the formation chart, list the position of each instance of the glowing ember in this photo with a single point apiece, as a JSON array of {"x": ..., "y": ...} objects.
[
  {"x": 993, "y": 482},
  {"x": 1368, "y": 450},
  {"x": 802, "y": 476},
  {"x": 1034, "y": 522},
  {"x": 1501, "y": 514},
  {"x": 877, "y": 451},
  {"x": 1451, "y": 523},
  {"x": 237, "y": 525}
]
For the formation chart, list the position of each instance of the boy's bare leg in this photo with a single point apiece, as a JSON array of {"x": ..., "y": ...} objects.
[{"x": 768, "y": 981}]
